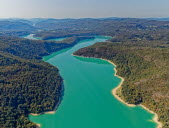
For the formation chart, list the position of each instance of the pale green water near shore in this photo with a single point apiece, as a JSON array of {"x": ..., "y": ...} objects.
[{"x": 87, "y": 100}]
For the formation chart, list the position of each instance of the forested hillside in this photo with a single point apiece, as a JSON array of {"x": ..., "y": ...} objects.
[
  {"x": 144, "y": 65},
  {"x": 27, "y": 84},
  {"x": 12, "y": 26},
  {"x": 139, "y": 47},
  {"x": 108, "y": 27},
  {"x": 31, "y": 49}
]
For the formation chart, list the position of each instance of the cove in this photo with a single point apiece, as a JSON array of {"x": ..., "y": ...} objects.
[
  {"x": 31, "y": 36},
  {"x": 87, "y": 100}
]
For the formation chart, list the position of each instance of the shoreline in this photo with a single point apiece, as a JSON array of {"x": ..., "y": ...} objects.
[
  {"x": 155, "y": 118},
  {"x": 48, "y": 112},
  {"x": 38, "y": 125}
]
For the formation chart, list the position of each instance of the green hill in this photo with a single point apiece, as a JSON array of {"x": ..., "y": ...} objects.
[
  {"x": 27, "y": 84},
  {"x": 144, "y": 65}
]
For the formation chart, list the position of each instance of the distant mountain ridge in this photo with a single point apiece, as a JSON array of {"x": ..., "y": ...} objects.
[
  {"x": 15, "y": 25},
  {"x": 34, "y": 24}
]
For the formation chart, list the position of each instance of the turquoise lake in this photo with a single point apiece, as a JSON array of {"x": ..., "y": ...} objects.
[{"x": 87, "y": 100}]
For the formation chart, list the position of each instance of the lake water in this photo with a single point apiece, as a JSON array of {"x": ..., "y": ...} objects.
[{"x": 87, "y": 100}]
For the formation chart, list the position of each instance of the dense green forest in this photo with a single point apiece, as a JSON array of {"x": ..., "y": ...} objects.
[
  {"x": 52, "y": 28},
  {"x": 144, "y": 65},
  {"x": 27, "y": 84},
  {"x": 139, "y": 47},
  {"x": 108, "y": 27},
  {"x": 32, "y": 49}
]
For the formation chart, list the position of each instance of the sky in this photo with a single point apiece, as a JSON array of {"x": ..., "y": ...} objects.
[{"x": 83, "y": 8}]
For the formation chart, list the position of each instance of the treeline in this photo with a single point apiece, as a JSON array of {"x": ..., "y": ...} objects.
[
  {"x": 15, "y": 33},
  {"x": 145, "y": 69},
  {"x": 45, "y": 35},
  {"x": 27, "y": 84},
  {"x": 31, "y": 49}
]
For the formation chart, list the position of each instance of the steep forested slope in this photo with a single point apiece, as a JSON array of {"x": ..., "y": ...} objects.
[
  {"x": 30, "y": 49},
  {"x": 27, "y": 84},
  {"x": 145, "y": 69}
]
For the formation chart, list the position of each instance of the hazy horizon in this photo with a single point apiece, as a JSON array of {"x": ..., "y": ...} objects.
[
  {"x": 17, "y": 18},
  {"x": 61, "y": 9}
]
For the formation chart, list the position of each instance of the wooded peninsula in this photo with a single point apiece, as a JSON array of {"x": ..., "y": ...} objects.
[{"x": 28, "y": 84}]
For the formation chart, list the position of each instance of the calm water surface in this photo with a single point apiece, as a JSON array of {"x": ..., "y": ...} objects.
[{"x": 87, "y": 101}]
